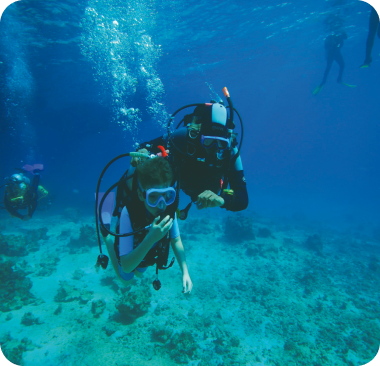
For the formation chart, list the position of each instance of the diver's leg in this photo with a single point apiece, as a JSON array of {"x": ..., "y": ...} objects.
[
  {"x": 340, "y": 61},
  {"x": 330, "y": 60},
  {"x": 373, "y": 27},
  {"x": 140, "y": 271},
  {"x": 111, "y": 252}
]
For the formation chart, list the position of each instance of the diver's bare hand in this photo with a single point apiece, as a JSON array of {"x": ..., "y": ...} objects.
[
  {"x": 209, "y": 199},
  {"x": 159, "y": 230},
  {"x": 137, "y": 161},
  {"x": 187, "y": 284}
]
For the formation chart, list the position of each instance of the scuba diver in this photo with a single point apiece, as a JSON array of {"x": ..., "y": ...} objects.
[
  {"x": 148, "y": 224},
  {"x": 20, "y": 194},
  {"x": 374, "y": 27},
  {"x": 205, "y": 156},
  {"x": 333, "y": 44}
]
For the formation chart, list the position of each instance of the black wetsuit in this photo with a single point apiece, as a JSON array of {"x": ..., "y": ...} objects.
[
  {"x": 333, "y": 44},
  {"x": 197, "y": 177},
  {"x": 374, "y": 28},
  {"x": 29, "y": 202}
]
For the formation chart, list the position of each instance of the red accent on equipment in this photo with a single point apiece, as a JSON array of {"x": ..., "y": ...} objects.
[
  {"x": 221, "y": 183},
  {"x": 164, "y": 153}
]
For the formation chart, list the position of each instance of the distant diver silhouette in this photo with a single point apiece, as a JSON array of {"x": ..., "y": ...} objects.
[{"x": 333, "y": 44}]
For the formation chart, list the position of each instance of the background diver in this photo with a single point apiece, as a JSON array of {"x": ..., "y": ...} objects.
[
  {"x": 21, "y": 194},
  {"x": 333, "y": 44},
  {"x": 205, "y": 156},
  {"x": 374, "y": 27}
]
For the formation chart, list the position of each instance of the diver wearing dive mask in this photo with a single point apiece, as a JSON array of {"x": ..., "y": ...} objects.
[
  {"x": 147, "y": 207},
  {"x": 204, "y": 151}
]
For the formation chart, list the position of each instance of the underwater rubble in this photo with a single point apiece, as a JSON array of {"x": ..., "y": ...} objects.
[{"x": 265, "y": 293}]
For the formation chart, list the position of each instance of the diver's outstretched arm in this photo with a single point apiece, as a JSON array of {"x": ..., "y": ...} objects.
[{"x": 11, "y": 209}]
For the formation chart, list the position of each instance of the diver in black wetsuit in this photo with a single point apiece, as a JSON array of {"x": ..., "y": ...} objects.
[
  {"x": 333, "y": 44},
  {"x": 374, "y": 26},
  {"x": 204, "y": 160},
  {"x": 20, "y": 194}
]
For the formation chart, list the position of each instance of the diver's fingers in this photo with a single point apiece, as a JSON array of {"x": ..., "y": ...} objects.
[
  {"x": 168, "y": 225},
  {"x": 200, "y": 204},
  {"x": 164, "y": 222},
  {"x": 155, "y": 220},
  {"x": 210, "y": 195}
]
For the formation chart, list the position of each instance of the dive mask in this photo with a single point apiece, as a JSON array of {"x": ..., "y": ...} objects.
[
  {"x": 221, "y": 142},
  {"x": 154, "y": 196}
]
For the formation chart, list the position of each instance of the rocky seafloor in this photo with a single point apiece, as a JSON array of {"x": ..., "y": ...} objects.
[{"x": 266, "y": 292}]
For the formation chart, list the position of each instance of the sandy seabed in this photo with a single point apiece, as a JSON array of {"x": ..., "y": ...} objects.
[{"x": 266, "y": 292}]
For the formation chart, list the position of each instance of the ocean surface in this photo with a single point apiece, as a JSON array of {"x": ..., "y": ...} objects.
[{"x": 291, "y": 280}]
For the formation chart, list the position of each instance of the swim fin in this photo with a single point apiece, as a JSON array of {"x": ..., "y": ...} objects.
[
  {"x": 367, "y": 63},
  {"x": 351, "y": 86},
  {"x": 317, "y": 89}
]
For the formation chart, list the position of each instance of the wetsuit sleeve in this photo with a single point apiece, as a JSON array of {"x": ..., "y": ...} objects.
[
  {"x": 174, "y": 231},
  {"x": 12, "y": 210},
  {"x": 125, "y": 243},
  {"x": 239, "y": 200}
]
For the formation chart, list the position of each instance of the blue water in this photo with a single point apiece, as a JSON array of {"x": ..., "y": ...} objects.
[{"x": 82, "y": 82}]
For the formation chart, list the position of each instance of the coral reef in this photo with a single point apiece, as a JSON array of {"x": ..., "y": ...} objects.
[
  {"x": 13, "y": 245},
  {"x": 374, "y": 264},
  {"x": 161, "y": 334},
  {"x": 37, "y": 234},
  {"x": 238, "y": 228},
  {"x": 264, "y": 232},
  {"x": 65, "y": 234},
  {"x": 78, "y": 274},
  {"x": 265, "y": 250},
  {"x": 29, "y": 319},
  {"x": 68, "y": 293},
  {"x": 72, "y": 214},
  {"x": 14, "y": 349},
  {"x": 182, "y": 347},
  {"x": 98, "y": 307},
  {"x": 58, "y": 310},
  {"x": 48, "y": 264},
  {"x": 314, "y": 243},
  {"x": 20, "y": 245},
  {"x": 288, "y": 241},
  {"x": 86, "y": 239},
  {"x": 135, "y": 303},
  {"x": 252, "y": 249},
  {"x": 15, "y": 286},
  {"x": 198, "y": 226},
  {"x": 34, "y": 236},
  {"x": 109, "y": 329}
]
